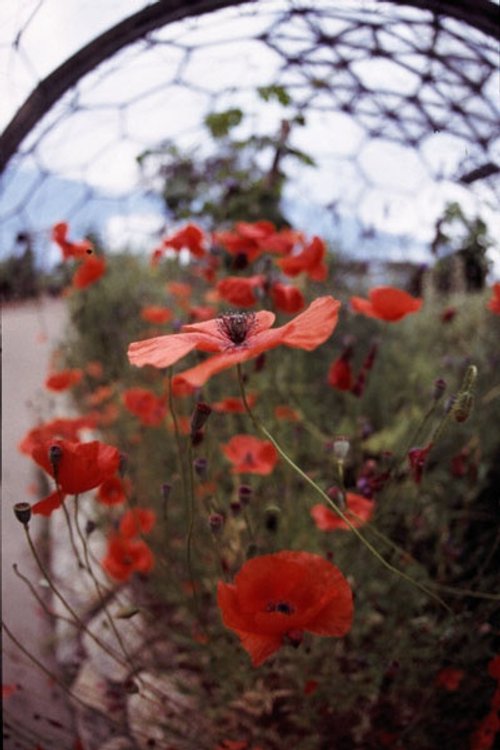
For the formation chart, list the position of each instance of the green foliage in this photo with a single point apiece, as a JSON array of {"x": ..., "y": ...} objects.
[
  {"x": 279, "y": 93},
  {"x": 219, "y": 124}
]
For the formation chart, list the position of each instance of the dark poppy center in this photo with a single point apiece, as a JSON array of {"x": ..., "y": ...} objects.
[
  {"x": 283, "y": 607},
  {"x": 236, "y": 326}
]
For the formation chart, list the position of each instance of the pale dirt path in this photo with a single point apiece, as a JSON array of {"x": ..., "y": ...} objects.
[{"x": 29, "y": 333}]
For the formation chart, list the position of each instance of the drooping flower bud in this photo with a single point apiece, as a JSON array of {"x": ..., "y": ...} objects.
[
  {"x": 22, "y": 512},
  {"x": 463, "y": 406},
  {"x": 439, "y": 389},
  {"x": 216, "y": 522},
  {"x": 245, "y": 493},
  {"x": 166, "y": 488},
  {"x": 272, "y": 516},
  {"x": 55, "y": 456},
  {"x": 199, "y": 417},
  {"x": 200, "y": 467}
]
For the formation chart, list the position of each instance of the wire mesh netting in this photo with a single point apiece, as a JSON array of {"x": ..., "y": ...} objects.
[{"x": 399, "y": 108}]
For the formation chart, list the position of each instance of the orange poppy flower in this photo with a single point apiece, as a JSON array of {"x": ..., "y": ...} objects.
[
  {"x": 48, "y": 504},
  {"x": 156, "y": 314},
  {"x": 277, "y": 597},
  {"x": 359, "y": 511},
  {"x": 79, "y": 466},
  {"x": 126, "y": 556},
  {"x": 70, "y": 249},
  {"x": 250, "y": 455},
  {"x": 190, "y": 237},
  {"x": 112, "y": 492},
  {"x": 387, "y": 303},
  {"x": 148, "y": 407},
  {"x": 240, "y": 291},
  {"x": 287, "y": 298},
  {"x": 233, "y": 404},
  {"x": 61, "y": 381},
  {"x": 137, "y": 521},
  {"x": 494, "y": 303},
  {"x": 340, "y": 374},
  {"x": 236, "y": 337},
  {"x": 287, "y": 413},
  {"x": 89, "y": 272},
  {"x": 310, "y": 261}
]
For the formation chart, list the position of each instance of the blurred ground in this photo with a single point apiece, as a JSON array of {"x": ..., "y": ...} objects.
[{"x": 35, "y": 714}]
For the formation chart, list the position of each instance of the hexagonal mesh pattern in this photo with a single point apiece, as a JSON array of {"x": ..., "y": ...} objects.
[{"x": 400, "y": 105}]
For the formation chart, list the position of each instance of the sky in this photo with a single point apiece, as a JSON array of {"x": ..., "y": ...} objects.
[{"x": 110, "y": 130}]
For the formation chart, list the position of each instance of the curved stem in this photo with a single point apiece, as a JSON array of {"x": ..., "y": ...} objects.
[{"x": 259, "y": 426}]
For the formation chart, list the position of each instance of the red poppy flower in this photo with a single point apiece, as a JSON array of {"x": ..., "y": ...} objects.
[
  {"x": 112, "y": 492},
  {"x": 494, "y": 303},
  {"x": 101, "y": 394},
  {"x": 358, "y": 510},
  {"x": 387, "y": 303},
  {"x": 287, "y": 413},
  {"x": 450, "y": 678},
  {"x": 233, "y": 404},
  {"x": 126, "y": 556},
  {"x": 48, "y": 504},
  {"x": 180, "y": 290},
  {"x": 201, "y": 312},
  {"x": 280, "y": 596},
  {"x": 240, "y": 291},
  {"x": 61, "y": 381},
  {"x": 79, "y": 466},
  {"x": 309, "y": 261},
  {"x": 246, "y": 239},
  {"x": 148, "y": 407},
  {"x": 156, "y": 314},
  {"x": 70, "y": 249},
  {"x": 237, "y": 337},
  {"x": 64, "y": 428},
  {"x": 137, "y": 521},
  {"x": 340, "y": 374},
  {"x": 89, "y": 272},
  {"x": 190, "y": 237},
  {"x": 250, "y": 455},
  {"x": 484, "y": 736},
  {"x": 417, "y": 458},
  {"x": 94, "y": 369},
  {"x": 287, "y": 298}
]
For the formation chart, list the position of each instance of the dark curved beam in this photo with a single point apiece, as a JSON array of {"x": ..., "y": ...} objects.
[
  {"x": 482, "y": 14},
  {"x": 67, "y": 75}
]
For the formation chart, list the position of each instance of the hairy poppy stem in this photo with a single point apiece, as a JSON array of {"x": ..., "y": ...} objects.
[
  {"x": 66, "y": 604},
  {"x": 71, "y": 535},
  {"x": 39, "y": 599},
  {"x": 99, "y": 589},
  {"x": 330, "y": 502}
]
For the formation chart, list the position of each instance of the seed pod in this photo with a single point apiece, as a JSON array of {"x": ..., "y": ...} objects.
[{"x": 22, "y": 512}]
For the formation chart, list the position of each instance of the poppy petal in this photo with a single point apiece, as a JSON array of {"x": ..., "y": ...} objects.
[
  {"x": 48, "y": 504},
  {"x": 161, "y": 351},
  {"x": 260, "y": 647},
  {"x": 393, "y": 304},
  {"x": 358, "y": 304},
  {"x": 312, "y": 327}
]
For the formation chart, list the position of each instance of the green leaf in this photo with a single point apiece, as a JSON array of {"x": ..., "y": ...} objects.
[
  {"x": 268, "y": 93},
  {"x": 221, "y": 123}
]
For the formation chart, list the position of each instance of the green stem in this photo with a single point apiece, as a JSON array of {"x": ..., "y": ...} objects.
[{"x": 260, "y": 427}]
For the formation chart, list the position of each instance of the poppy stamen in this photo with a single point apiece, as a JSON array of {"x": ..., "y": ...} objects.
[
  {"x": 283, "y": 607},
  {"x": 236, "y": 326}
]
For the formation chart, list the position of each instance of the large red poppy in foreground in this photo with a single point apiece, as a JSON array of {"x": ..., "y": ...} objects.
[
  {"x": 79, "y": 466},
  {"x": 387, "y": 303},
  {"x": 275, "y": 598},
  {"x": 236, "y": 337}
]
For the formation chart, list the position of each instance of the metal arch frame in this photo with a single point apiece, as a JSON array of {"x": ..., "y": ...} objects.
[{"x": 481, "y": 14}]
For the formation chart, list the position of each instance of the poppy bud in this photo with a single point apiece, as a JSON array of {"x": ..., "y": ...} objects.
[
  {"x": 260, "y": 361},
  {"x": 236, "y": 507},
  {"x": 165, "y": 490},
  {"x": 197, "y": 438},
  {"x": 216, "y": 522},
  {"x": 439, "y": 389},
  {"x": 272, "y": 514},
  {"x": 370, "y": 357},
  {"x": 200, "y": 467},
  {"x": 295, "y": 637},
  {"x": 240, "y": 262},
  {"x": 359, "y": 386},
  {"x": 463, "y": 406},
  {"x": 341, "y": 447},
  {"x": 450, "y": 402},
  {"x": 55, "y": 456},
  {"x": 22, "y": 512},
  {"x": 90, "y": 527},
  {"x": 245, "y": 493},
  {"x": 199, "y": 417},
  {"x": 123, "y": 464}
]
